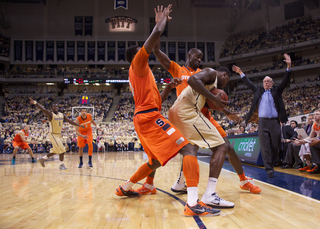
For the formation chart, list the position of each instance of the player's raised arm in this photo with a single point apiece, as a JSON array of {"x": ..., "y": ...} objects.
[
  {"x": 206, "y": 76},
  {"x": 72, "y": 122},
  {"x": 163, "y": 17},
  {"x": 45, "y": 111}
]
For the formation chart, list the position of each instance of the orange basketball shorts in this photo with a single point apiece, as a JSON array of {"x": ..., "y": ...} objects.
[
  {"x": 22, "y": 145},
  {"x": 160, "y": 139},
  {"x": 82, "y": 142}
]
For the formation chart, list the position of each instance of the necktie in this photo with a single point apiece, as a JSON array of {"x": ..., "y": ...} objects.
[{"x": 269, "y": 103}]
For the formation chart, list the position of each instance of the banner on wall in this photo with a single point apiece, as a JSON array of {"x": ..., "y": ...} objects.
[
  {"x": 78, "y": 25},
  {"x": 121, "y": 50},
  {"x": 101, "y": 50},
  {"x": 80, "y": 50},
  {"x": 111, "y": 50},
  {"x": 163, "y": 47},
  {"x": 172, "y": 50},
  {"x": 131, "y": 43},
  {"x": 91, "y": 45},
  {"x": 210, "y": 51},
  {"x": 49, "y": 50},
  {"x": 18, "y": 50},
  {"x": 60, "y": 50},
  {"x": 28, "y": 50},
  {"x": 201, "y": 46},
  {"x": 88, "y": 20},
  {"x": 191, "y": 45},
  {"x": 181, "y": 51},
  {"x": 39, "y": 50},
  {"x": 121, "y": 4},
  {"x": 70, "y": 50}
]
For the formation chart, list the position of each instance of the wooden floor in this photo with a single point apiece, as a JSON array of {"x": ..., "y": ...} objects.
[{"x": 36, "y": 197}]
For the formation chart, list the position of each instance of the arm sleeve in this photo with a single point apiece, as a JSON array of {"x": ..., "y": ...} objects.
[
  {"x": 140, "y": 64},
  {"x": 174, "y": 69}
]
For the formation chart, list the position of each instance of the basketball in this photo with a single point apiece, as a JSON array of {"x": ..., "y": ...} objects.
[{"x": 223, "y": 96}]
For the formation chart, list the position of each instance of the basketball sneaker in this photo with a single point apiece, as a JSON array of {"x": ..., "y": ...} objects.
[
  {"x": 62, "y": 167},
  {"x": 41, "y": 161},
  {"x": 304, "y": 169},
  {"x": 13, "y": 161},
  {"x": 215, "y": 201},
  {"x": 146, "y": 189},
  {"x": 247, "y": 185},
  {"x": 34, "y": 160},
  {"x": 313, "y": 167},
  {"x": 120, "y": 192},
  {"x": 179, "y": 188},
  {"x": 90, "y": 165},
  {"x": 200, "y": 209},
  {"x": 80, "y": 165}
]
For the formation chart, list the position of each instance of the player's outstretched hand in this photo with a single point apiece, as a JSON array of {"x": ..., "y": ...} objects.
[
  {"x": 287, "y": 59},
  {"x": 162, "y": 12},
  {"x": 31, "y": 100},
  {"x": 175, "y": 82},
  {"x": 234, "y": 117},
  {"x": 33, "y": 142}
]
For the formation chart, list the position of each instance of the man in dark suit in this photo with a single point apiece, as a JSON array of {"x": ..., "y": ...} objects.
[
  {"x": 290, "y": 150},
  {"x": 266, "y": 109}
]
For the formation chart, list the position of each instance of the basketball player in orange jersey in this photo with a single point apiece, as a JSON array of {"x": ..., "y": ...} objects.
[
  {"x": 160, "y": 139},
  {"x": 192, "y": 67},
  {"x": 85, "y": 135},
  {"x": 55, "y": 119},
  {"x": 20, "y": 141}
]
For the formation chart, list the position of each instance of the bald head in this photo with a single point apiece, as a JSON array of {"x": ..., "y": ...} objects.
[{"x": 267, "y": 82}]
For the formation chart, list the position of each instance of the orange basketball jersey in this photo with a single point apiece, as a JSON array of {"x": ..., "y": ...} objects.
[
  {"x": 142, "y": 83},
  {"x": 86, "y": 122},
  {"x": 183, "y": 73},
  {"x": 17, "y": 138}
]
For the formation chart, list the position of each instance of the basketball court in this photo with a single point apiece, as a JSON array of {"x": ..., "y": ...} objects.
[{"x": 36, "y": 197}]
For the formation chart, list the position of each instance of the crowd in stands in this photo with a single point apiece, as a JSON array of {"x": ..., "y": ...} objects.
[
  {"x": 303, "y": 29},
  {"x": 4, "y": 46}
]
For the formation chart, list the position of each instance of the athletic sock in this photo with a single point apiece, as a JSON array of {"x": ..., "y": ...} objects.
[
  {"x": 242, "y": 177},
  {"x": 141, "y": 173},
  {"x": 45, "y": 157},
  {"x": 90, "y": 159},
  {"x": 149, "y": 180},
  {"x": 61, "y": 162},
  {"x": 192, "y": 196},
  {"x": 81, "y": 159},
  {"x": 127, "y": 185},
  {"x": 181, "y": 178},
  {"x": 14, "y": 157},
  {"x": 211, "y": 186},
  {"x": 191, "y": 170}
]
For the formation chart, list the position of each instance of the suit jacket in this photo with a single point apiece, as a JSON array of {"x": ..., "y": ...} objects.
[
  {"x": 288, "y": 132},
  {"x": 276, "y": 92},
  {"x": 306, "y": 127}
]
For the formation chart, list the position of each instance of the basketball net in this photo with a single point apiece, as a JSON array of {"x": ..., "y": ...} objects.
[{"x": 76, "y": 111}]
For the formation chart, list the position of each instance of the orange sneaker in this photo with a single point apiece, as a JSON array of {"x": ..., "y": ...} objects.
[
  {"x": 304, "y": 168},
  {"x": 200, "y": 209},
  {"x": 120, "y": 192},
  {"x": 247, "y": 185},
  {"x": 312, "y": 169},
  {"x": 146, "y": 189}
]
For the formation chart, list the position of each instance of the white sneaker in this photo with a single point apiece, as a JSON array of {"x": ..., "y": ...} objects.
[
  {"x": 215, "y": 201},
  {"x": 179, "y": 188}
]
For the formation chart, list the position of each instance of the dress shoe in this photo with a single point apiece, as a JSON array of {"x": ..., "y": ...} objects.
[
  {"x": 286, "y": 166},
  {"x": 270, "y": 173},
  {"x": 298, "y": 166}
]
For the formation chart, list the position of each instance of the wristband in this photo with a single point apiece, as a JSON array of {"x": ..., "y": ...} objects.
[{"x": 34, "y": 102}]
